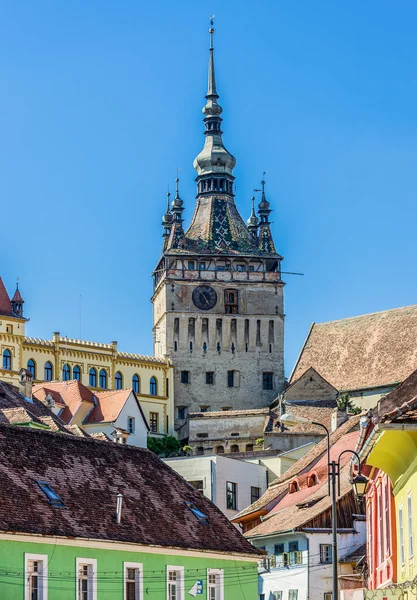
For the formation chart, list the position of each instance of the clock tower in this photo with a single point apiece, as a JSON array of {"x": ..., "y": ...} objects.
[{"x": 218, "y": 293}]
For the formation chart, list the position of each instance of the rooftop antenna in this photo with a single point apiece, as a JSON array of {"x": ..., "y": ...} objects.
[{"x": 79, "y": 314}]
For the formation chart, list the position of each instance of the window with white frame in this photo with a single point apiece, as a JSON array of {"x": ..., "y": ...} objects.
[
  {"x": 325, "y": 554},
  {"x": 410, "y": 526},
  {"x": 86, "y": 578},
  {"x": 131, "y": 424},
  {"x": 215, "y": 584},
  {"x": 133, "y": 581},
  {"x": 277, "y": 595},
  {"x": 401, "y": 529},
  {"x": 292, "y": 594},
  {"x": 36, "y": 576},
  {"x": 175, "y": 583}
]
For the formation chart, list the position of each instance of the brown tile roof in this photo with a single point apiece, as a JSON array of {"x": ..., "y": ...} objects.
[
  {"x": 101, "y": 436},
  {"x": 401, "y": 404},
  {"x": 319, "y": 414},
  {"x": 222, "y": 414},
  {"x": 361, "y": 352},
  {"x": 280, "y": 485},
  {"x": 88, "y": 474},
  {"x": 15, "y": 409},
  {"x": 5, "y": 305}
]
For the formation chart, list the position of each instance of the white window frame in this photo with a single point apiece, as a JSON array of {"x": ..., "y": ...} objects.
[
  {"x": 180, "y": 581},
  {"x": 401, "y": 532},
  {"x": 220, "y": 573},
  {"x": 139, "y": 580},
  {"x": 91, "y": 562},
  {"x": 132, "y": 420},
  {"x": 410, "y": 526},
  {"x": 43, "y": 558}
]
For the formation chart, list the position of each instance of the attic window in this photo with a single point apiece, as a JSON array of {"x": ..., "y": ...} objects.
[
  {"x": 293, "y": 487},
  {"x": 202, "y": 518},
  {"x": 52, "y": 496},
  {"x": 312, "y": 480}
]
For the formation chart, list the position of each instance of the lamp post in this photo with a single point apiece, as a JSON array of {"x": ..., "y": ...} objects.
[{"x": 333, "y": 476}]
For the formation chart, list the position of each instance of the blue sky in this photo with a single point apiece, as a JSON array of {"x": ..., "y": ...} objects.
[{"x": 100, "y": 102}]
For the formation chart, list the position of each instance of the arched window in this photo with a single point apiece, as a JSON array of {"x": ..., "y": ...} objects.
[
  {"x": 136, "y": 383},
  {"x": 234, "y": 448},
  {"x": 93, "y": 377},
  {"x": 219, "y": 449},
  {"x": 32, "y": 367},
  {"x": 76, "y": 373},
  {"x": 7, "y": 360},
  {"x": 118, "y": 380},
  {"x": 103, "y": 379},
  {"x": 48, "y": 373},
  {"x": 312, "y": 480},
  {"x": 249, "y": 448},
  {"x": 153, "y": 389},
  {"x": 66, "y": 373},
  {"x": 200, "y": 451},
  {"x": 293, "y": 487}
]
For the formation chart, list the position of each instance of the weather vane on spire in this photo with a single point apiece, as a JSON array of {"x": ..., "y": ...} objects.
[{"x": 212, "y": 17}]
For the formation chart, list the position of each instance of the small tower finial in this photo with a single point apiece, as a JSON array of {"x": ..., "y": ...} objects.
[
  {"x": 167, "y": 218},
  {"x": 253, "y": 221},
  {"x": 211, "y": 31}
]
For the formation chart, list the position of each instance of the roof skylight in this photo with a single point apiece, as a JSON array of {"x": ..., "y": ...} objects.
[
  {"x": 52, "y": 496},
  {"x": 202, "y": 518}
]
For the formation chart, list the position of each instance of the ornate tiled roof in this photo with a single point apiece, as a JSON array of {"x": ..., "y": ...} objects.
[
  {"x": 216, "y": 226},
  {"x": 5, "y": 304}
]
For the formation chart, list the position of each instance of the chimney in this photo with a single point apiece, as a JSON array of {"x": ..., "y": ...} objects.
[
  {"x": 338, "y": 418},
  {"x": 25, "y": 383},
  {"x": 49, "y": 401},
  {"x": 119, "y": 507}
]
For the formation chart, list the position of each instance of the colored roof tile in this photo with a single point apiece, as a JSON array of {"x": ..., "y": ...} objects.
[
  {"x": 367, "y": 351},
  {"x": 154, "y": 510}
]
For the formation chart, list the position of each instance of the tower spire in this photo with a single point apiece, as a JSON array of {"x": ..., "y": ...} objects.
[
  {"x": 214, "y": 164},
  {"x": 253, "y": 221},
  {"x": 211, "y": 84},
  {"x": 167, "y": 218}
]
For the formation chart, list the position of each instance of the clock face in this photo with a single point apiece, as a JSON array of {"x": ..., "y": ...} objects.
[{"x": 204, "y": 297}]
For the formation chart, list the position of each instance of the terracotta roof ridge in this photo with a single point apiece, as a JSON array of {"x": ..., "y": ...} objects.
[{"x": 378, "y": 312}]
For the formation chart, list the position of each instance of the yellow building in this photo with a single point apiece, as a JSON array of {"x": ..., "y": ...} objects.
[
  {"x": 393, "y": 450},
  {"x": 98, "y": 366}
]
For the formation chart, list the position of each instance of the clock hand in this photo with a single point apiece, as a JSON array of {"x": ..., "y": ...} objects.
[{"x": 205, "y": 297}]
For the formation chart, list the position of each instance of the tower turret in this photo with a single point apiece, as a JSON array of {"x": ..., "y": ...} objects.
[
  {"x": 167, "y": 218},
  {"x": 253, "y": 221},
  {"x": 266, "y": 243}
]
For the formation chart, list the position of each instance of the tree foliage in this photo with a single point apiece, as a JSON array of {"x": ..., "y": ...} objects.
[
  {"x": 164, "y": 446},
  {"x": 345, "y": 403}
]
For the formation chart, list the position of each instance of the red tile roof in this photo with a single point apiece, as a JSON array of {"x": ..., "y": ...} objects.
[
  {"x": 297, "y": 509},
  {"x": 372, "y": 350},
  {"x": 5, "y": 305},
  {"x": 279, "y": 486},
  {"x": 70, "y": 393},
  {"x": 88, "y": 474}
]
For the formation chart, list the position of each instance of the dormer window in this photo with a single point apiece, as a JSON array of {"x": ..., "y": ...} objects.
[
  {"x": 293, "y": 487},
  {"x": 312, "y": 480},
  {"x": 201, "y": 517},
  {"x": 52, "y": 496},
  {"x": 231, "y": 302}
]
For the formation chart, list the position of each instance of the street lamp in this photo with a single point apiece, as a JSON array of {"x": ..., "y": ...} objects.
[{"x": 359, "y": 483}]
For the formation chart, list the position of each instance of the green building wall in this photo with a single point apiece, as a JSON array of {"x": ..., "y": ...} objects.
[{"x": 240, "y": 576}]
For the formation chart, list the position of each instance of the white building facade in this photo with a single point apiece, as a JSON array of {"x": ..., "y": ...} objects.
[{"x": 231, "y": 484}]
